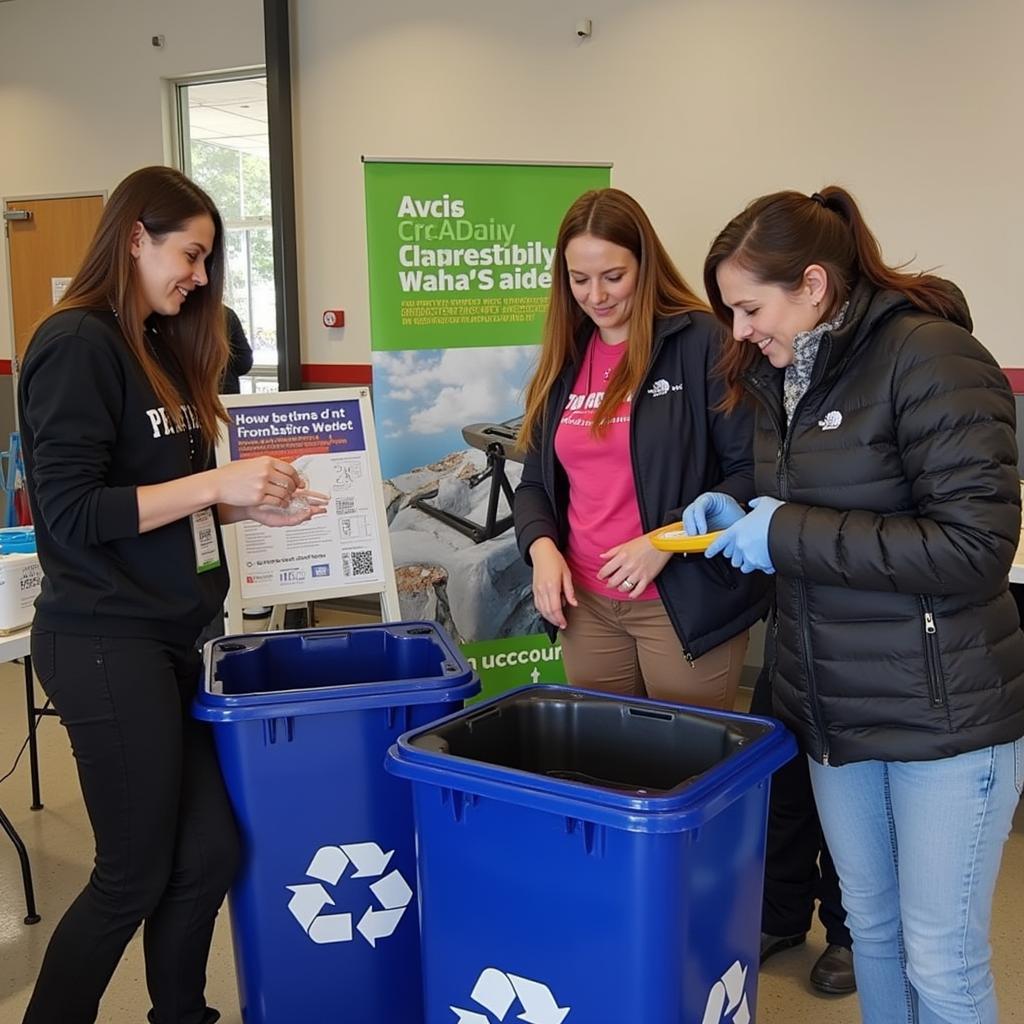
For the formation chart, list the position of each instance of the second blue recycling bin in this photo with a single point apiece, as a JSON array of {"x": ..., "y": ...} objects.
[
  {"x": 593, "y": 859},
  {"x": 323, "y": 913}
]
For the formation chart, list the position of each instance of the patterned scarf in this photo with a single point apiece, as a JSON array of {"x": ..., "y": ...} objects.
[{"x": 805, "y": 351}]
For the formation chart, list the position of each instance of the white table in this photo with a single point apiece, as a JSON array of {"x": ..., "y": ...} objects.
[
  {"x": 15, "y": 645},
  {"x": 12, "y": 647}
]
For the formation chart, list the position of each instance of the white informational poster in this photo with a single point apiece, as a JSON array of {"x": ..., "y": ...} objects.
[
  {"x": 328, "y": 437},
  {"x": 58, "y": 286}
]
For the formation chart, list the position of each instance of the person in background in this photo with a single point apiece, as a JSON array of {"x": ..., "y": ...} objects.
[
  {"x": 798, "y": 872},
  {"x": 239, "y": 354},
  {"x": 623, "y": 427},
  {"x": 119, "y": 412},
  {"x": 888, "y": 512}
]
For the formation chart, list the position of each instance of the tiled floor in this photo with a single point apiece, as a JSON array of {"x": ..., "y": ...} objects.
[{"x": 60, "y": 844}]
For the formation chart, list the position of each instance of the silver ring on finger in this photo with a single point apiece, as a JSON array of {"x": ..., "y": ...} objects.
[{"x": 628, "y": 584}]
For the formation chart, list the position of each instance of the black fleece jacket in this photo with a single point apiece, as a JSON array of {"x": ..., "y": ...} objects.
[
  {"x": 93, "y": 432},
  {"x": 680, "y": 447},
  {"x": 896, "y": 637}
]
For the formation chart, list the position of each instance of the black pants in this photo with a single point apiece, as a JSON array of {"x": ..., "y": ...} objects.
[
  {"x": 166, "y": 841},
  {"x": 798, "y": 867}
]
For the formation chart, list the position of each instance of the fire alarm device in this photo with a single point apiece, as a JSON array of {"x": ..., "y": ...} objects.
[{"x": 334, "y": 318}]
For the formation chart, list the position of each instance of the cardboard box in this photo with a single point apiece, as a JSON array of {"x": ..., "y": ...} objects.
[{"x": 20, "y": 579}]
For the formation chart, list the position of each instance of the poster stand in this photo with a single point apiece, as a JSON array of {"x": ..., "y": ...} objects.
[{"x": 328, "y": 435}]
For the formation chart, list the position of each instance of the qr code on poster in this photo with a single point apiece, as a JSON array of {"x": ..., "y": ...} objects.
[{"x": 357, "y": 563}]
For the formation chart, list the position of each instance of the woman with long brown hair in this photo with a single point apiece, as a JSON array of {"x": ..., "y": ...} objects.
[
  {"x": 888, "y": 513},
  {"x": 622, "y": 429},
  {"x": 119, "y": 413}
]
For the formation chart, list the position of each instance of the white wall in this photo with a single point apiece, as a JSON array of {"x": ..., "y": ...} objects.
[
  {"x": 913, "y": 104},
  {"x": 81, "y": 89},
  {"x": 700, "y": 104}
]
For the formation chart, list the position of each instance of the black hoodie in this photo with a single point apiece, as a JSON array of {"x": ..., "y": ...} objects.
[
  {"x": 93, "y": 431},
  {"x": 896, "y": 637}
]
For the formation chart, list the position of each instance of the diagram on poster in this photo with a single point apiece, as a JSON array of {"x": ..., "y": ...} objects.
[{"x": 327, "y": 436}]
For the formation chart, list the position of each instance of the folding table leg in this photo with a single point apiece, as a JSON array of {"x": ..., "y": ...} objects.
[
  {"x": 33, "y": 747},
  {"x": 26, "y": 868}
]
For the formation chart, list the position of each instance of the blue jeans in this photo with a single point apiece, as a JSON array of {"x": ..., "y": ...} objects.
[{"x": 917, "y": 846}]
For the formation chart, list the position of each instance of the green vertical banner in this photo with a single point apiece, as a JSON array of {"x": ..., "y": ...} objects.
[{"x": 459, "y": 272}]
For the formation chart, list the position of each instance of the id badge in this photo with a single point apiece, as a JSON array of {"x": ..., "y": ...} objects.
[{"x": 204, "y": 539}]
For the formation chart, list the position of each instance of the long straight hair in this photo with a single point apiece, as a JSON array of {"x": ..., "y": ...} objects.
[
  {"x": 163, "y": 200},
  {"x": 777, "y": 237},
  {"x": 613, "y": 216}
]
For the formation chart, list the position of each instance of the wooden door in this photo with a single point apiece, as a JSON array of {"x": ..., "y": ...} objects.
[{"x": 45, "y": 248}]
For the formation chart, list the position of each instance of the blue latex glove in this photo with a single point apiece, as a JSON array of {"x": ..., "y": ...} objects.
[
  {"x": 745, "y": 543},
  {"x": 712, "y": 510}
]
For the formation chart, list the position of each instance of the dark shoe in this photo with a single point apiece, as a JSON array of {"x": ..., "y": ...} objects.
[
  {"x": 833, "y": 973},
  {"x": 772, "y": 944}
]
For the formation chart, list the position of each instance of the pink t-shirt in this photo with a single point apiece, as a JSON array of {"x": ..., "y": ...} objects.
[{"x": 603, "y": 509}]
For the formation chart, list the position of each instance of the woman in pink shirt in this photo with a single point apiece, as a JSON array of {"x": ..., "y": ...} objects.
[{"x": 623, "y": 428}]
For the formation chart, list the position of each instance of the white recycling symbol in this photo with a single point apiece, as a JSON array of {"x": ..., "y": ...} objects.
[
  {"x": 496, "y": 991},
  {"x": 329, "y": 863},
  {"x": 727, "y": 1000}
]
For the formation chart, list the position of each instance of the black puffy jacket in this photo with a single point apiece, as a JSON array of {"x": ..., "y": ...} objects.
[
  {"x": 895, "y": 635},
  {"x": 680, "y": 447}
]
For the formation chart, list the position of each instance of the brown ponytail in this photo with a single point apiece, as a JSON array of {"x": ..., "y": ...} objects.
[
  {"x": 779, "y": 235},
  {"x": 163, "y": 200}
]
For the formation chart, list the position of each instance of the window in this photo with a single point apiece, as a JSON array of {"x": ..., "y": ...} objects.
[{"x": 224, "y": 147}]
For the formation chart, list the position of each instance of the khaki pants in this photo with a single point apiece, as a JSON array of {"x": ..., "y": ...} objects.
[{"x": 630, "y": 648}]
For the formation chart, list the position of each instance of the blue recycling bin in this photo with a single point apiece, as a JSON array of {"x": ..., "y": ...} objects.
[
  {"x": 323, "y": 912},
  {"x": 588, "y": 858}
]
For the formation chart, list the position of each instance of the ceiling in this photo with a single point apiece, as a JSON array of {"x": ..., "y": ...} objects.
[{"x": 230, "y": 114}]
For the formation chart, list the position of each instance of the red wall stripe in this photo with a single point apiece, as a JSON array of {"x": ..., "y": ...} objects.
[
  {"x": 312, "y": 373},
  {"x": 337, "y": 373},
  {"x": 1016, "y": 379}
]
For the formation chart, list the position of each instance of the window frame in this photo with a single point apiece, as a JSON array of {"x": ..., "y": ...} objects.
[{"x": 179, "y": 123}]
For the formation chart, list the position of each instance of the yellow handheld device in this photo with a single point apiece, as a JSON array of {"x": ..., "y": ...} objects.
[{"x": 675, "y": 538}]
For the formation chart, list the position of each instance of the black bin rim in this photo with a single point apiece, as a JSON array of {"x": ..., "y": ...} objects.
[{"x": 770, "y": 745}]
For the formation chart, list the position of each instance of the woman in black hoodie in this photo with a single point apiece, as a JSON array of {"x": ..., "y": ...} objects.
[
  {"x": 119, "y": 412},
  {"x": 889, "y": 511}
]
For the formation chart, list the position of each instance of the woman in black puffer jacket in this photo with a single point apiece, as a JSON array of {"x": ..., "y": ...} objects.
[{"x": 889, "y": 513}]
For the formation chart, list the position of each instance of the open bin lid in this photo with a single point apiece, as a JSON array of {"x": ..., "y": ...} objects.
[
  {"x": 639, "y": 765},
  {"x": 291, "y": 672}
]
